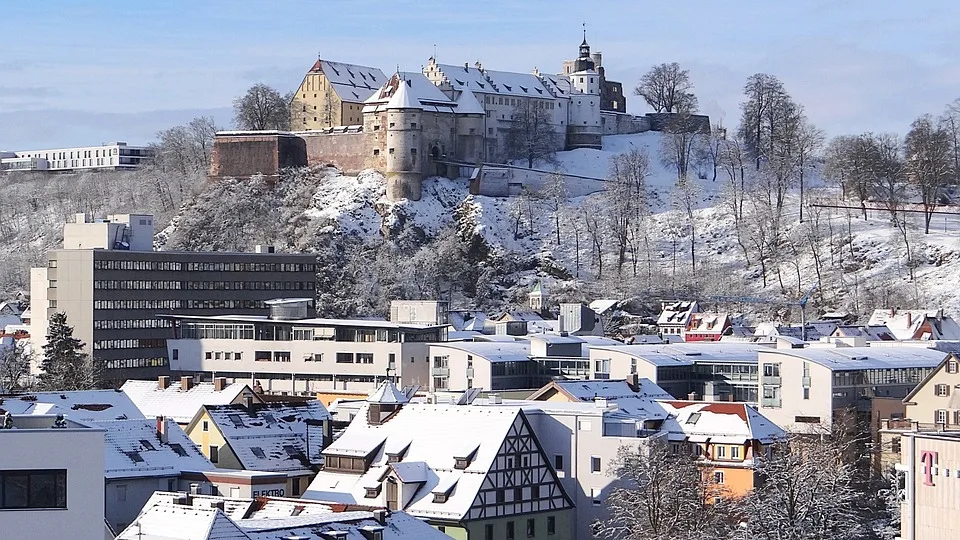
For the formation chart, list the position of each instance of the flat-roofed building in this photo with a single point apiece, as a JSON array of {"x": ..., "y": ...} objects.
[
  {"x": 115, "y": 156},
  {"x": 298, "y": 354}
]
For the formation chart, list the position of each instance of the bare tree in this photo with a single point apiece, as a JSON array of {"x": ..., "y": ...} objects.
[
  {"x": 929, "y": 163},
  {"x": 531, "y": 136},
  {"x": 765, "y": 110},
  {"x": 679, "y": 144},
  {"x": 806, "y": 490},
  {"x": 661, "y": 496},
  {"x": 626, "y": 199},
  {"x": 591, "y": 214},
  {"x": 261, "y": 107},
  {"x": 950, "y": 120},
  {"x": 808, "y": 143},
  {"x": 667, "y": 88},
  {"x": 555, "y": 194},
  {"x": 15, "y": 366},
  {"x": 885, "y": 168},
  {"x": 684, "y": 198}
]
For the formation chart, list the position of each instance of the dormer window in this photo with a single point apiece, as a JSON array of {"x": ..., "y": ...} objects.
[
  {"x": 440, "y": 498},
  {"x": 372, "y": 492},
  {"x": 464, "y": 459},
  {"x": 461, "y": 463}
]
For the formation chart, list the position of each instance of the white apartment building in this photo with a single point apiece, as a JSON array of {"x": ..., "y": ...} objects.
[
  {"x": 114, "y": 156},
  {"x": 51, "y": 478},
  {"x": 287, "y": 353}
]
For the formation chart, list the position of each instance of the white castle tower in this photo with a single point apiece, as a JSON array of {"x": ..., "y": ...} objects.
[
  {"x": 584, "y": 129},
  {"x": 404, "y": 166}
]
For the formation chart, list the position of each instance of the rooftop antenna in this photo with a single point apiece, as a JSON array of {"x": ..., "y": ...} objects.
[
  {"x": 434, "y": 51},
  {"x": 319, "y": 56},
  {"x": 584, "y": 30}
]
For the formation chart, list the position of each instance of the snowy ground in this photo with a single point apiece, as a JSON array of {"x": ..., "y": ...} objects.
[{"x": 874, "y": 261}]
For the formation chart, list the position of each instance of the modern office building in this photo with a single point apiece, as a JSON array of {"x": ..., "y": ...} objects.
[
  {"x": 288, "y": 352},
  {"x": 928, "y": 476},
  {"x": 111, "y": 156},
  {"x": 112, "y": 294}
]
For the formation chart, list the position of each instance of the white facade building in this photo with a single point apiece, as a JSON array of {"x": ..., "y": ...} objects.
[
  {"x": 51, "y": 479},
  {"x": 116, "y": 156}
]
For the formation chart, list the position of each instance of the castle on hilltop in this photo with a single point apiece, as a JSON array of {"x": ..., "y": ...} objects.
[{"x": 436, "y": 122}]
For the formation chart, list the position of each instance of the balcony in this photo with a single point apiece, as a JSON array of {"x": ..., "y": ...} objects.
[
  {"x": 469, "y": 373},
  {"x": 440, "y": 372},
  {"x": 769, "y": 379}
]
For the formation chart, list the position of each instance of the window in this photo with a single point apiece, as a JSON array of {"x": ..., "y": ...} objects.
[
  {"x": 717, "y": 477},
  {"x": 206, "y": 425},
  {"x": 517, "y": 494},
  {"x": 214, "y": 454},
  {"x": 52, "y": 304},
  {"x": 721, "y": 451},
  {"x": 594, "y": 464},
  {"x": 942, "y": 390},
  {"x": 52, "y": 283},
  {"x": 376, "y": 151},
  {"x": 488, "y": 532},
  {"x": 344, "y": 358},
  {"x": 734, "y": 452},
  {"x": 178, "y": 449},
  {"x": 281, "y": 356},
  {"x": 510, "y": 531},
  {"x": 33, "y": 489},
  {"x": 364, "y": 358},
  {"x": 940, "y": 416},
  {"x": 806, "y": 393},
  {"x": 390, "y": 151},
  {"x": 121, "y": 492},
  {"x": 806, "y": 419},
  {"x": 558, "y": 462},
  {"x": 551, "y": 525},
  {"x": 535, "y": 492},
  {"x": 501, "y": 496},
  {"x": 895, "y": 445},
  {"x": 531, "y": 528},
  {"x": 952, "y": 366},
  {"x": 595, "y": 495}
]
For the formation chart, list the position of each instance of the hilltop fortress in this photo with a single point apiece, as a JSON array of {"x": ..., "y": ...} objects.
[{"x": 443, "y": 121}]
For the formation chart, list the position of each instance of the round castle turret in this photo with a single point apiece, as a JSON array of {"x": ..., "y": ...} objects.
[
  {"x": 470, "y": 115},
  {"x": 585, "y": 129},
  {"x": 404, "y": 155}
]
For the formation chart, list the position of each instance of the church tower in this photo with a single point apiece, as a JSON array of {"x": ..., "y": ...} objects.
[{"x": 585, "y": 128}]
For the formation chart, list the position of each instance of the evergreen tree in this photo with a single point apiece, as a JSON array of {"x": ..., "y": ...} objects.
[{"x": 65, "y": 366}]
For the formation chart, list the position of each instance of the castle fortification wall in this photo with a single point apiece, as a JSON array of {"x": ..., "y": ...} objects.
[
  {"x": 247, "y": 153},
  {"x": 345, "y": 151}
]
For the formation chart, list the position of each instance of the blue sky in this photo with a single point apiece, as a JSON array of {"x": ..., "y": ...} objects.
[{"x": 87, "y": 71}]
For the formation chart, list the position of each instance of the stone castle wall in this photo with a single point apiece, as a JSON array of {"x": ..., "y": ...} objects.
[
  {"x": 244, "y": 154},
  {"x": 345, "y": 151}
]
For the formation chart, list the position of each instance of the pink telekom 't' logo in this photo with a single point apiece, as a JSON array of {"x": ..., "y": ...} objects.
[{"x": 929, "y": 458}]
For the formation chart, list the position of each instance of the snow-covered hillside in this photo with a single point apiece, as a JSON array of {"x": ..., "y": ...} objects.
[{"x": 862, "y": 260}]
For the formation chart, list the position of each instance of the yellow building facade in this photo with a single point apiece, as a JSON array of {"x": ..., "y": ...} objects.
[{"x": 332, "y": 94}]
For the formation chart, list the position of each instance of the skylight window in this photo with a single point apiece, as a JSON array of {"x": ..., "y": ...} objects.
[
  {"x": 291, "y": 450},
  {"x": 135, "y": 457},
  {"x": 257, "y": 451},
  {"x": 692, "y": 419},
  {"x": 269, "y": 418},
  {"x": 147, "y": 445},
  {"x": 237, "y": 421},
  {"x": 178, "y": 449}
]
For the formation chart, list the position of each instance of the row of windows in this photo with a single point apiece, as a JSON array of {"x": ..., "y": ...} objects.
[
  {"x": 203, "y": 266},
  {"x": 214, "y": 355},
  {"x": 137, "y": 304},
  {"x": 132, "y": 324},
  {"x": 152, "y": 343},
  {"x": 267, "y": 356},
  {"x": 354, "y": 358},
  {"x": 33, "y": 489},
  {"x": 127, "y": 363},
  {"x": 488, "y": 530},
  {"x": 169, "y": 285},
  {"x": 189, "y": 330},
  {"x": 874, "y": 377}
]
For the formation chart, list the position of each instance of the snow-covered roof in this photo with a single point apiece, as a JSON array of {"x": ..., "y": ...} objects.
[
  {"x": 84, "y": 405},
  {"x": 917, "y": 323},
  {"x": 520, "y": 315},
  {"x": 731, "y": 423},
  {"x": 387, "y": 393},
  {"x": 555, "y": 339},
  {"x": 437, "y": 435},
  {"x": 174, "y": 403},
  {"x": 588, "y": 390},
  {"x": 708, "y": 323},
  {"x": 676, "y": 313},
  {"x": 878, "y": 332},
  {"x": 415, "y": 91},
  {"x": 134, "y": 449},
  {"x": 363, "y": 323},
  {"x": 494, "y": 82},
  {"x": 493, "y": 351},
  {"x": 272, "y": 437},
  {"x": 467, "y": 103},
  {"x": 180, "y": 522},
  {"x": 351, "y": 82},
  {"x": 686, "y": 354},
  {"x": 602, "y": 305},
  {"x": 856, "y": 358}
]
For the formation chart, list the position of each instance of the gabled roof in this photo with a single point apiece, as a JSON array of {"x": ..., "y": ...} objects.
[
  {"x": 85, "y": 405},
  {"x": 676, "y": 313},
  {"x": 922, "y": 384},
  {"x": 174, "y": 403},
  {"x": 414, "y": 91},
  {"x": 506, "y": 83},
  {"x": 877, "y": 332},
  {"x": 176, "y": 522},
  {"x": 721, "y": 422},
  {"x": 351, "y": 82},
  {"x": 588, "y": 390},
  {"x": 271, "y": 437},
  {"x": 437, "y": 434},
  {"x": 708, "y": 323},
  {"x": 467, "y": 103},
  {"x": 133, "y": 449}
]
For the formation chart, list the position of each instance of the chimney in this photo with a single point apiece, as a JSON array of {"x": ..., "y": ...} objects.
[
  {"x": 909, "y": 318},
  {"x": 219, "y": 384},
  {"x": 692, "y": 396},
  {"x": 633, "y": 381},
  {"x": 216, "y": 504},
  {"x": 248, "y": 403},
  {"x": 380, "y": 516},
  {"x": 494, "y": 399},
  {"x": 186, "y": 383},
  {"x": 194, "y": 488},
  {"x": 162, "y": 430},
  {"x": 163, "y": 382}
]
